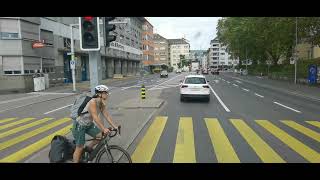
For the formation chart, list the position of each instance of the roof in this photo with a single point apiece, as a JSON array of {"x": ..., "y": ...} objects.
[
  {"x": 215, "y": 40},
  {"x": 177, "y": 41},
  {"x": 158, "y": 37},
  {"x": 195, "y": 75}
]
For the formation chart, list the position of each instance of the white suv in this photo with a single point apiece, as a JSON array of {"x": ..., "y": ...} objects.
[{"x": 194, "y": 86}]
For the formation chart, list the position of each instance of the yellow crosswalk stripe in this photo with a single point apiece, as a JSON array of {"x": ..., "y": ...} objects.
[
  {"x": 18, "y": 129},
  {"x": 15, "y": 123},
  {"x": 145, "y": 149},
  {"x": 25, "y": 152},
  {"x": 6, "y": 120},
  {"x": 263, "y": 150},
  {"x": 314, "y": 123},
  {"x": 30, "y": 134},
  {"x": 221, "y": 144},
  {"x": 306, "y": 152},
  {"x": 185, "y": 151},
  {"x": 306, "y": 131}
]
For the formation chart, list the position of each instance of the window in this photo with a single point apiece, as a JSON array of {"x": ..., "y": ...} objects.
[
  {"x": 195, "y": 80},
  {"x": 162, "y": 48},
  {"x": 8, "y": 35}
]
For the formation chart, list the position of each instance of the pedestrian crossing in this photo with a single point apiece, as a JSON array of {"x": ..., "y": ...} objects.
[
  {"x": 256, "y": 135},
  {"x": 21, "y": 138}
]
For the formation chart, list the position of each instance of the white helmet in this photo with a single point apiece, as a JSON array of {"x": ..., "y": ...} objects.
[{"x": 101, "y": 88}]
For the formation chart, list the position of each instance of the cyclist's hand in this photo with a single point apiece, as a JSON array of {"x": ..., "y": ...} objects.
[{"x": 106, "y": 131}]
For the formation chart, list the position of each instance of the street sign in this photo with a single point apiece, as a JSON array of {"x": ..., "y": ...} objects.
[
  {"x": 312, "y": 74},
  {"x": 73, "y": 64}
]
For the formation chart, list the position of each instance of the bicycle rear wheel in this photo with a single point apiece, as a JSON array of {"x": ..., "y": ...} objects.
[{"x": 114, "y": 154}]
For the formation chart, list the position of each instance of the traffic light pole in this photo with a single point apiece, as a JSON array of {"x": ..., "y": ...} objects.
[{"x": 94, "y": 64}]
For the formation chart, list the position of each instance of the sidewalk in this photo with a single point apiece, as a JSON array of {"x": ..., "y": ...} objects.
[{"x": 307, "y": 91}]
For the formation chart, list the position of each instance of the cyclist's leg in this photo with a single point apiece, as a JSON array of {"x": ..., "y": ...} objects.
[
  {"x": 79, "y": 137},
  {"x": 94, "y": 132}
]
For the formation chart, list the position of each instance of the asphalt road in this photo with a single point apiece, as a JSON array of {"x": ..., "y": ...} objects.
[
  {"x": 249, "y": 124},
  {"x": 28, "y": 118}
]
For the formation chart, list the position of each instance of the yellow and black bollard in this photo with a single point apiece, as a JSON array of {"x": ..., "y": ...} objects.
[{"x": 143, "y": 92}]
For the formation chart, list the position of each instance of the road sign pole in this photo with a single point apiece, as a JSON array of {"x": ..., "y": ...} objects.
[{"x": 72, "y": 59}]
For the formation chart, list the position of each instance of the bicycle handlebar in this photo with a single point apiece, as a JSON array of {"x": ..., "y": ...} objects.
[{"x": 111, "y": 134}]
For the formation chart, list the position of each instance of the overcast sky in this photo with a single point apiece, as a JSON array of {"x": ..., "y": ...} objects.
[{"x": 198, "y": 30}]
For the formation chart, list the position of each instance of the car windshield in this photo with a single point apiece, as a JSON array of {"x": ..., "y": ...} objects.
[
  {"x": 164, "y": 71},
  {"x": 195, "y": 80}
]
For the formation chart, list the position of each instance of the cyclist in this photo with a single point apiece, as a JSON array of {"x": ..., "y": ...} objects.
[{"x": 84, "y": 124}]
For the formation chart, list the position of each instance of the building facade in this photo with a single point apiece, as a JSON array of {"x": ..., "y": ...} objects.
[
  {"x": 218, "y": 55},
  {"x": 178, "y": 47},
  {"x": 147, "y": 43},
  {"x": 161, "y": 50},
  {"x": 19, "y": 61}
]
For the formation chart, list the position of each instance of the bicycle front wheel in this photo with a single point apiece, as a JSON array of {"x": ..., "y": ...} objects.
[{"x": 114, "y": 154}]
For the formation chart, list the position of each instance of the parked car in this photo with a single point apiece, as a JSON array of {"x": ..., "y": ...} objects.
[
  {"x": 178, "y": 71},
  {"x": 215, "y": 71},
  {"x": 194, "y": 86},
  {"x": 163, "y": 74}
]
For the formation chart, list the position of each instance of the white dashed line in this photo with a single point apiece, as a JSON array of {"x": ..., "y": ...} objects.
[
  {"x": 228, "y": 82},
  {"x": 245, "y": 89},
  {"x": 58, "y": 109},
  {"x": 259, "y": 95},
  {"x": 287, "y": 107},
  {"x": 235, "y": 85},
  {"x": 238, "y": 81}
]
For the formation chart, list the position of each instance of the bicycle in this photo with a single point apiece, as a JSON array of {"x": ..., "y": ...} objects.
[{"x": 112, "y": 152}]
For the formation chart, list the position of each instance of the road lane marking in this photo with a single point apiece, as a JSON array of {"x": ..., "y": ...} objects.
[
  {"x": 245, "y": 89},
  {"x": 15, "y": 123},
  {"x": 7, "y": 120},
  {"x": 18, "y": 129},
  {"x": 305, "y": 151},
  {"x": 228, "y": 82},
  {"x": 314, "y": 123},
  {"x": 145, "y": 149},
  {"x": 184, "y": 151},
  {"x": 306, "y": 131},
  {"x": 27, "y": 151},
  {"x": 235, "y": 85},
  {"x": 32, "y": 133},
  {"x": 263, "y": 150},
  {"x": 166, "y": 81},
  {"x": 259, "y": 77},
  {"x": 220, "y": 142},
  {"x": 287, "y": 107},
  {"x": 220, "y": 101},
  {"x": 259, "y": 95},
  {"x": 58, "y": 109},
  {"x": 19, "y": 99},
  {"x": 238, "y": 81}
]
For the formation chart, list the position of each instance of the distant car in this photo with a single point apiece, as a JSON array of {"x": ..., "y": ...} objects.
[
  {"x": 205, "y": 71},
  {"x": 215, "y": 71},
  {"x": 194, "y": 86},
  {"x": 163, "y": 74},
  {"x": 178, "y": 71}
]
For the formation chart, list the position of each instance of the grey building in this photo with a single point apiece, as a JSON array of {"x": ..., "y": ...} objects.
[
  {"x": 161, "y": 50},
  {"x": 19, "y": 60}
]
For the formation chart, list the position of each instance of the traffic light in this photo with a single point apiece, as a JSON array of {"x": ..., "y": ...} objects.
[
  {"x": 109, "y": 28},
  {"x": 89, "y": 33}
]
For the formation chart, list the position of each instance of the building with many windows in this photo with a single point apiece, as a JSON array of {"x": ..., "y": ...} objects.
[
  {"x": 178, "y": 47},
  {"x": 19, "y": 60},
  {"x": 161, "y": 50}
]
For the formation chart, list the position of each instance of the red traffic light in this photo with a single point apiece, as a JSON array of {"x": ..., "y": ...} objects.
[{"x": 88, "y": 18}]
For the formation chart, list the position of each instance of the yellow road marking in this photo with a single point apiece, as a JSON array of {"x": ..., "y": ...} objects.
[
  {"x": 185, "y": 151},
  {"x": 145, "y": 149},
  {"x": 263, "y": 150},
  {"x": 220, "y": 142}
]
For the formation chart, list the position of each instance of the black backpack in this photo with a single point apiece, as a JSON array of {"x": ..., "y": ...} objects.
[{"x": 61, "y": 149}]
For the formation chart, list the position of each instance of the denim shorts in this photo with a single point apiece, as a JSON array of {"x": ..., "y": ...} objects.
[{"x": 79, "y": 132}]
